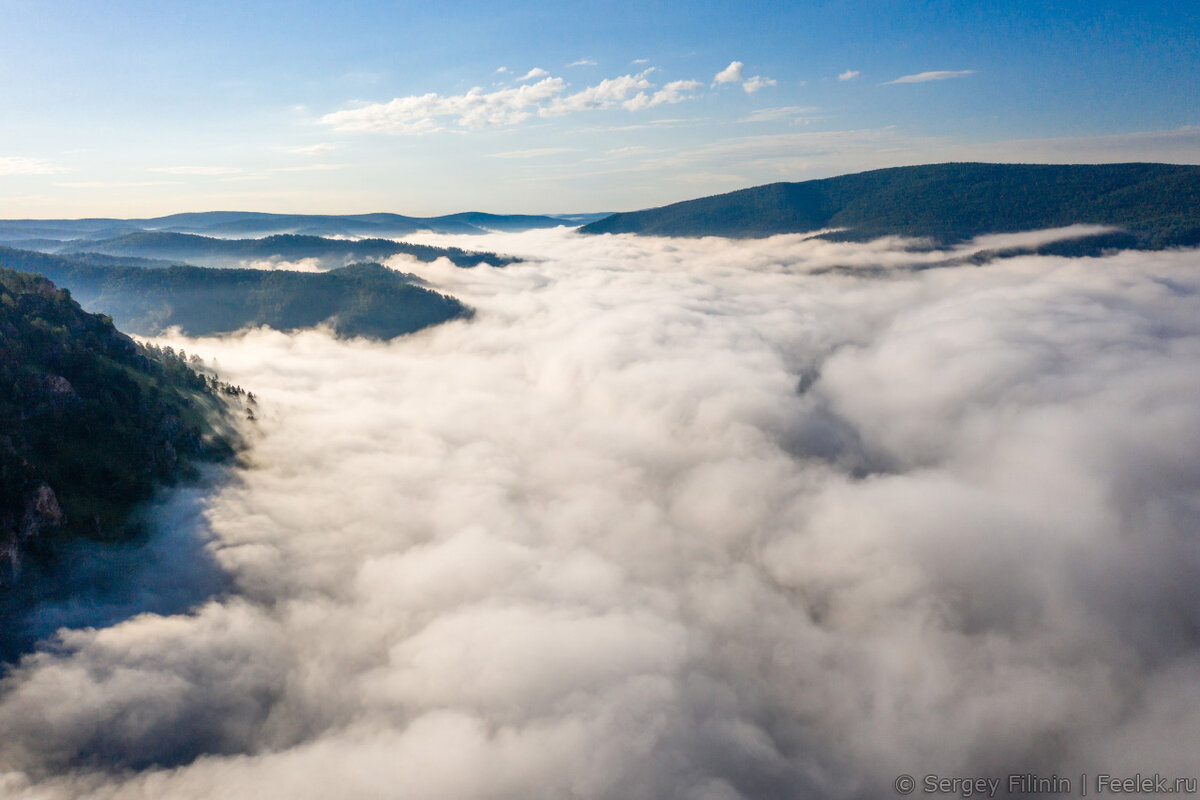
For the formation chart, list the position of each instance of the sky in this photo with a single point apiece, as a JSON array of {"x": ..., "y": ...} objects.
[{"x": 130, "y": 108}]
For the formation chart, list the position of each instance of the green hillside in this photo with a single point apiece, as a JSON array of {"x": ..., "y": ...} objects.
[
  {"x": 1157, "y": 205},
  {"x": 366, "y": 300},
  {"x": 90, "y": 421},
  {"x": 208, "y": 251}
]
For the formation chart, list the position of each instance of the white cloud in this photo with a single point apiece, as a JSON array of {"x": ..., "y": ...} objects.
[
  {"x": 536, "y": 152},
  {"x": 778, "y": 112},
  {"x": 112, "y": 184},
  {"x": 609, "y": 93},
  {"x": 196, "y": 170},
  {"x": 651, "y": 123},
  {"x": 19, "y": 165},
  {"x": 640, "y": 61},
  {"x": 422, "y": 113},
  {"x": 308, "y": 168},
  {"x": 673, "y": 92},
  {"x": 536, "y": 72},
  {"x": 677, "y": 518},
  {"x": 631, "y": 150},
  {"x": 849, "y": 75},
  {"x": 508, "y": 106},
  {"x": 757, "y": 82},
  {"x": 731, "y": 74},
  {"x": 309, "y": 149},
  {"x": 735, "y": 73},
  {"x": 923, "y": 77},
  {"x": 273, "y": 264},
  {"x": 583, "y": 62},
  {"x": 501, "y": 70}
]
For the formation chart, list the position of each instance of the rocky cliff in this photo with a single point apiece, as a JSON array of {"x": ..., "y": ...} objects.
[{"x": 90, "y": 421}]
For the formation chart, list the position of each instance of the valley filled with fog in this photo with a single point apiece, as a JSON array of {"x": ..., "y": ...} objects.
[{"x": 695, "y": 518}]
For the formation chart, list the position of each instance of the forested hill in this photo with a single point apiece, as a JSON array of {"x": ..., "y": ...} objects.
[
  {"x": 90, "y": 421},
  {"x": 367, "y": 300},
  {"x": 207, "y": 251},
  {"x": 1157, "y": 205}
]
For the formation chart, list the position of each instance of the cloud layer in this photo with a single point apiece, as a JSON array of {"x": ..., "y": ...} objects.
[{"x": 679, "y": 518}]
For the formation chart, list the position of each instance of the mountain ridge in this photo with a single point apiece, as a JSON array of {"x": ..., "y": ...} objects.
[
  {"x": 191, "y": 248},
  {"x": 242, "y": 223},
  {"x": 367, "y": 300},
  {"x": 1157, "y": 205}
]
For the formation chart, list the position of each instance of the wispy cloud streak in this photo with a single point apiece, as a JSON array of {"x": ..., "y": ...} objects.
[
  {"x": 20, "y": 165},
  {"x": 925, "y": 77}
]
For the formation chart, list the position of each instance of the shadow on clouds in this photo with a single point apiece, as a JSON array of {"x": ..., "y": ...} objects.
[{"x": 678, "y": 518}]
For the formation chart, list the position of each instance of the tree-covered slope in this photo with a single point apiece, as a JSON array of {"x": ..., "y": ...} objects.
[
  {"x": 90, "y": 421},
  {"x": 367, "y": 300},
  {"x": 207, "y": 251},
  {"x": 1157, "y": 204}
]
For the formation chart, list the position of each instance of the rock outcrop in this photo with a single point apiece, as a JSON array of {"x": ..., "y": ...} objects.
[
  {"x": 41, "y": 510},
  {"x": 90, "y": 422}
]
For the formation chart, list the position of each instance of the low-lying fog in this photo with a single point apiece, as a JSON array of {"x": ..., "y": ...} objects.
[{"x": 678, "y": 519}]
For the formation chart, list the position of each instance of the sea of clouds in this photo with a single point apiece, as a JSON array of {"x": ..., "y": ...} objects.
[{"x": 678, "y": 519}]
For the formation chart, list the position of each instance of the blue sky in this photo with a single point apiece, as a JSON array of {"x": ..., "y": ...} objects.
[{"x": 139, "y": 108}]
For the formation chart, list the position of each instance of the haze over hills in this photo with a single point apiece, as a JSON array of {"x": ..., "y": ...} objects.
[
  {"x": 257, "y": 224},
  {"x": 215, "y": 252},
  {"x": 367, "y": 300},
  {"x": 1154, "y": 205}
]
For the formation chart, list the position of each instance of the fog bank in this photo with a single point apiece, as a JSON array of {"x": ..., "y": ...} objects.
[{"x": 679, "y": 519}]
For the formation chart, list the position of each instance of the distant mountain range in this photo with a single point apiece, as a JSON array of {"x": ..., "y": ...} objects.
[
  {"x": 367, "y": 300},
  {"x": 1154, "y": 205},
  {"x": 158, "y": 248},
  {"x": 253, "y": 224}
]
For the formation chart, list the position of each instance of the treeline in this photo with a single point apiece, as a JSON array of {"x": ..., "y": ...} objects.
[
  {"x": 210, "y": 251},
  {"x": 1156, "y": 205},
  {"x": 364, "y": 300}
]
